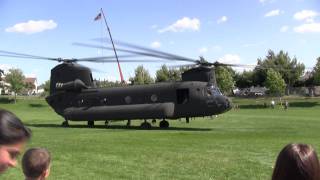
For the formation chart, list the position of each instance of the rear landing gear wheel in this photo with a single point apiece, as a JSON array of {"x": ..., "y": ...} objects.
[
  {"x": 145, "y": 125},
  {"x": 187, "y": 120},
  {"x": 90, "y": 124},
  {"x": 106, "y": 123},
  {"x": 65, "y": 124},
  {"x": 164, "y": 124},
  {"x": 154, "y": 121},
  {"x": 129, "y": 123}
]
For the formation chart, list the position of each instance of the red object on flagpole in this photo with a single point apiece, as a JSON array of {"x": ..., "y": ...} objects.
[
  {"x": 97, "y": 17},
  {"x": 114, "y": 49}
]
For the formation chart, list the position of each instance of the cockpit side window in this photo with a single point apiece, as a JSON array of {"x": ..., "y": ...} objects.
[{"x": 213, "y": 91}]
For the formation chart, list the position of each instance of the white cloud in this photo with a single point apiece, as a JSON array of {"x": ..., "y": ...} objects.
[
  {"x": 284, "y": 28},
  {"x": 203, "y": 50},
  {"x": 308, "y": 28},
  {"x": 182, "y": 25},
  {"x": 222, "y": 19},
  {"x": 32, "y": 26},
  {"x": 230, "y": 59},
  {"x": 305, "y": 15},
  {"x": 275, "y": 12},
  {"x": 155, "y": 44}
]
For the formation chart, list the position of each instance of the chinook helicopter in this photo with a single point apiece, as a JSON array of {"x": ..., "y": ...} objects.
[{"x": 75, "y": 97}]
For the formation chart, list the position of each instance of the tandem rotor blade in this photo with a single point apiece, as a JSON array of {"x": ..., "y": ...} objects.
[
  {"x": 23, "y": 55},
  {"x": 135, "y": 52},
  {"x": 149, "y": 50}
]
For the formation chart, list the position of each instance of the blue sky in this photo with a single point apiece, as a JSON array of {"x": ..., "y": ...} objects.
[{"x": 228, "y": 31}]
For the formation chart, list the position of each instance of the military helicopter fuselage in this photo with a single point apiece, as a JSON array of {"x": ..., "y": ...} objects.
[{"x": 74, "y": 96}]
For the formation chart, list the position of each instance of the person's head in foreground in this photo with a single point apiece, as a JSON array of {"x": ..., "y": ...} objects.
[
  {"x": 297, "y": 162},
  {"x": 13, "y": 137},
  {"x": 36, "y": 164}
]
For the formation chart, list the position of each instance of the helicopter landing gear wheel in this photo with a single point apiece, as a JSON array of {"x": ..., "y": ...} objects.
[
  {"x": 154, "y": 121},
  {"x": 187, "y": 120},
  {"x": 145, "y": 125},
  {"x": 90, "y": 124},
  {"x": 65, "y": 123},
  {"x": 164, "y": 124},
  {"x": 106, "y": 123},
  {"x": 129, "y": 123}
]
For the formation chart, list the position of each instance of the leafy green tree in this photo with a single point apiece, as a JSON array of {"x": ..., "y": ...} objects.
[
  {"x": 46, "y": 87},
  {"x": 275, "y": 83},
  {"x": 224, "y": 79},
  {"x": 316, "y": 73},
  {"x": 288, "y": 67},
  {"x": 164, "y": 74},
  {"x": 142, "y": 76},
  {"x": 15, "y": 78},
  {"x": 244, "y": 79}
]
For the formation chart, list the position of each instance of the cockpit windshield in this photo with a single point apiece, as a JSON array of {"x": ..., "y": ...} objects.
[{"x": 213, "y": 91}]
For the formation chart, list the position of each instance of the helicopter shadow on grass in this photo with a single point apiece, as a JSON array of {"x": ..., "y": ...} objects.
[
  {"x": 115, "y": 127},
  {"x": 303, "y": 104},
  {"x": 252, "y": 106},
  {"x": 291, "y": 104},
  {"x": 5, "y": 100},
  {"x": 34, "y": 105}
]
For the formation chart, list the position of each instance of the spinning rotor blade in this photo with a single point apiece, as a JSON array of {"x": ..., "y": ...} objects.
[
  {"x": 126, "y": 61},
  {"x": 136, "y": 52},
  {"x": 22, "y": 55},
  {"x": 216, "y": 64},
  {"x": 155, "y": 52},
  {"x": 101, "y": 58}
]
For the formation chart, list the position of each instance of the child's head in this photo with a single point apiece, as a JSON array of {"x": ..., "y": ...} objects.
[
  {"x": 13, "y": 137},
  {"x": 297, "y": 161},
  {"x": 36, "y": 163}
]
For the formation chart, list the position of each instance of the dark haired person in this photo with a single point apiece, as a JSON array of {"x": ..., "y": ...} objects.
[
  {"x": 297, "y": 162},
  {"x": 13, "y": 137},
  {"x": 36, "y": 164}
]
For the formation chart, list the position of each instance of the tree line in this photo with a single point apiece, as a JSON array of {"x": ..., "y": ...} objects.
[{"x": 276, "y": 71}]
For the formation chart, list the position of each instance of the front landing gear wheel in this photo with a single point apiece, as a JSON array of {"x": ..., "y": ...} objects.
[
  {"x": 145, "y": 125},
  {"x": 65, "y": 124},
  {"x": 164, "y": 124},
  {"x": 90, "y": 124}
]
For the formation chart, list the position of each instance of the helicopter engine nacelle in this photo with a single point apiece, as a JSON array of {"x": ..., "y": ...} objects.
[
  {"x": 75, "y": 85},
  {"x": 204, "y": 74},
  {"x": 64, "y": 77}
]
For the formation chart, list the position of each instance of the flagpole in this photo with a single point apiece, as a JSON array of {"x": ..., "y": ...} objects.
[{"x": 114, "y": 49}]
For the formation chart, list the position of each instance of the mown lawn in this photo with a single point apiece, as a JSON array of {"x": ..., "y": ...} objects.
[{"x": 240, "y": 144}]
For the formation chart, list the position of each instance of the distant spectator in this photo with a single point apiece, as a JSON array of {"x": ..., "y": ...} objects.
[
  {"x": 286, "y": 105},
  {"x": 297, "y": 162},
  {"x": 13, "y": 137},
  {"x": 265, "y": 105},
  {"x": 272, "y": 104},
  {"x": 36, "y": 164}
]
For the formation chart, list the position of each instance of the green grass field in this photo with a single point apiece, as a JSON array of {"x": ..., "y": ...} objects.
[{"x": 240, "y": 144}]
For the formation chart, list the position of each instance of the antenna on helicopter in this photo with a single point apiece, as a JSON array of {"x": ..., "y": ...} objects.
[{"x": 114, "y": 49}]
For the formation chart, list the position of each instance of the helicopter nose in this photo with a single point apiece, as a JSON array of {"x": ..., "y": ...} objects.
[
  {"x": 225, "y": 103},
  {"x": 228, "y": 104}
]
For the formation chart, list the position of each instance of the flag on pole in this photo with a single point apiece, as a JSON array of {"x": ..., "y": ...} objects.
[{"x": 97, "y": 17}]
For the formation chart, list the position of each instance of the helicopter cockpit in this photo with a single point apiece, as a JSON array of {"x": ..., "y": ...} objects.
[{"x": 213, "y": 90}]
